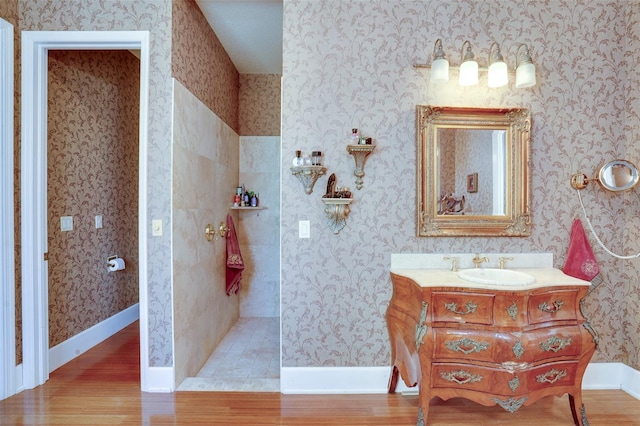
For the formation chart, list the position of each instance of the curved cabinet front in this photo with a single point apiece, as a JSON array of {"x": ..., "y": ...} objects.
[{"x": 509, "y": 348}]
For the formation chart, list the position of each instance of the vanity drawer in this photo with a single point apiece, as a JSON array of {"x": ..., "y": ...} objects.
[
  {"x": 471, "y": 377},
  {"x": 552, "y": 305},
  {"x": 553, "y": 342},
  {"x": 462, "y": 307},
  {"x": 469, "y": 345},
  {"x": 552, "y": 374}
]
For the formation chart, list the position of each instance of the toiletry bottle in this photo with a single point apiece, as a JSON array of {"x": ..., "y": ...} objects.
[
  {"x": 355, "y": 137},
  {"x": 254, "y": 201},
  {"x": 297, "y": 160}
]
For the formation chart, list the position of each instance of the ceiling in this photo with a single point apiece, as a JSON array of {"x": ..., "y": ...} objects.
[{"x": 250, "y": 31}]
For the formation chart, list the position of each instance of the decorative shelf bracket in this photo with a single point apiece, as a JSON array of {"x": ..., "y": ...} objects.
[
  {"x": 308, "y": 175},
  {"x": 360, "y": 154},
  {"x": 337, "y": 210}
]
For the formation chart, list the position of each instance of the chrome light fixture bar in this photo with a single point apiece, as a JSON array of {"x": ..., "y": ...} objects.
[{"x": 498, "y": 69}]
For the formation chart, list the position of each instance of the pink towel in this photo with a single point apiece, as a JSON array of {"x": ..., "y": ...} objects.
[
  {"x": 235, "y": 264},
  {"x": 581, "y": 263}
]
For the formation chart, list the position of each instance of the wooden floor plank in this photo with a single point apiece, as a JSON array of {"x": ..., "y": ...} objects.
[{"x": 102, "y": 387}]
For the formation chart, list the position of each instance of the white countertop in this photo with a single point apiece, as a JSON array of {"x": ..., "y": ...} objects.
[{"x": 545, "y": 277}]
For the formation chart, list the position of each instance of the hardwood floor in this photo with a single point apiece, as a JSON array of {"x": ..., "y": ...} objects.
[{"x": 101, "y": 387}]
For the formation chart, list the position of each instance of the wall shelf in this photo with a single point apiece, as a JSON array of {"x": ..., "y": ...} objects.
[
  {"x": 248, "y": 208},
  {"x": 337, "y": 210},
  {"x": 308, "y": 175},
  {"x": 360, "y": 154}
]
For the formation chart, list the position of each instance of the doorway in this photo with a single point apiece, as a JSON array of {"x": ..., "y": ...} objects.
[{"x": 35, "y": 47}]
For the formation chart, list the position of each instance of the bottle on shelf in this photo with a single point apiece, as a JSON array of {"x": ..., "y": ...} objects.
[{"x": 297, "y": 160}]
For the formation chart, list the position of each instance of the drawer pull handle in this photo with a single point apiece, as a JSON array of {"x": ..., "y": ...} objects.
[
  {"x": 557, "y": 305},
  {"x": 421, "y": 327},
  {"x": 551, "y": 376},
  {"x": 461, "y": 377},
  {"x": 466, "y": 346},
  {"x": 555, "y": 344},
  {"x": 453, "y": 307}
]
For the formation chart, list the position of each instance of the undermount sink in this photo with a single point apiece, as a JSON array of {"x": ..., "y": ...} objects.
[{"x": 496, "y": 276}]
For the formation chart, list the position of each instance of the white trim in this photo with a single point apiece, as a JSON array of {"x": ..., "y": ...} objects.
[
  {"x": 7, "y": 225},
  {"x": 369, "y": 380},
  {"x": 160, "y": 379},
  {"x": 35, "y": 45},
  {"x": 82, "y": 342}
]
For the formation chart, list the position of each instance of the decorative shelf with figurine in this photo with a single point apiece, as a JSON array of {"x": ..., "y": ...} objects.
[{"x": 336, "y": 201}]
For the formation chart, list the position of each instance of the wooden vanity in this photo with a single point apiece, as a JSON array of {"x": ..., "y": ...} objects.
[{"x": 492, "y": 345}]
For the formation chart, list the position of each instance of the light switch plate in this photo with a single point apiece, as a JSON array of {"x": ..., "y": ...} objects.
[
  {"x": 99, "y": 221},
  {"x": 156, "y": 227},
  {"x": 66, "y": 223},
  {"x": 304, "y": 229}
]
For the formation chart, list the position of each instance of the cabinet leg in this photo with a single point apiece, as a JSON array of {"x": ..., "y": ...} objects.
[
  {"x": 393, "y": 379},
  {"x": 579, "y": 417},
  {"x": 422, "y": 416}
]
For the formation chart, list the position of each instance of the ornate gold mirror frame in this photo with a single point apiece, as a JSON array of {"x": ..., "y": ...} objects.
[{"x": 437, "y": 127}]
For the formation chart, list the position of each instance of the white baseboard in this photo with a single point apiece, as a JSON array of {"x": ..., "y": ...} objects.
[
  {"x": 160, "y": 380},
  {"x": 363, "y": 380},
  {"x": 82, "y": 342}
]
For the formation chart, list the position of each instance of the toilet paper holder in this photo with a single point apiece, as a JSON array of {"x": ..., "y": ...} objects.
[{"x": 114, "y": 263}]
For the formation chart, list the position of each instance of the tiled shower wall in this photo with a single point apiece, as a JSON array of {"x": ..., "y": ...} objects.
[{"x": 258, "y": 231}]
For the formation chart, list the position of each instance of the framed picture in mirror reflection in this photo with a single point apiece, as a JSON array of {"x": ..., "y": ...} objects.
[{"x": 472, "y": 182}]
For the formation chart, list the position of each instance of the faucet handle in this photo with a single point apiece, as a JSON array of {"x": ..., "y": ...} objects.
[
  {"x": 454, "y": 263},
  {"x": 503, "y": 261}
]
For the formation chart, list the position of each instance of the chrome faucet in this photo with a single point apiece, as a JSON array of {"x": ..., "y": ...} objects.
[
  {"x": 477, "y": 261},
  {"x": 503, "y": 261}
]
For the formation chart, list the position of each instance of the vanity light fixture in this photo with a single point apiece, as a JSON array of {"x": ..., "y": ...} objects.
[
  {"x": 498, "y": 70},
  {"x": 469, "y": 67},
  {"x": 439, "y": 65},
  {"x": 525, "y": 70}
]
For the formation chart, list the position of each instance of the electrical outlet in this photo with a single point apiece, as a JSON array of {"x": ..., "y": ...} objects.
[{"x": 304, "y": 229}]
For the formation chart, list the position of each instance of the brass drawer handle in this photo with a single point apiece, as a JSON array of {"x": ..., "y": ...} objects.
[
  {"x": 466, "y": 345},
  {"x": 551, "y": 376},
  {"x": 555, "y": 344},
  {"x": 461, "y": 377},
  {"x": 453, "y": 307},
  {"x": 557, "y": 305}
]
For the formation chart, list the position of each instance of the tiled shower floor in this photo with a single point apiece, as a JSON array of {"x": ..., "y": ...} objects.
[{"x": 247, "y": 359}]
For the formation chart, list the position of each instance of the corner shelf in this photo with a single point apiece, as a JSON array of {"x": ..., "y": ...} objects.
[
  {"x": 308, "y": 175},
  {"x": 248, "y": 208},
  {"x": 337, "y": 210},
  {"x": 360, "y": 154}
]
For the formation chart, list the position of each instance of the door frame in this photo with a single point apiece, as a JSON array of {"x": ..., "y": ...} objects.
[
  {"x": 35, "y": 327},
  {"x": 7, "y": 225}
]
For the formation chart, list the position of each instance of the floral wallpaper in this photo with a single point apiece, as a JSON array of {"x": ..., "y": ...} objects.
[
  {"x": 349, "y": 64},
  {"x": 155, "y": 17},
  {"x": 92, "y": 169},
  {"x": 200, "y": 62},
  {"x": 259, "y": 106}
]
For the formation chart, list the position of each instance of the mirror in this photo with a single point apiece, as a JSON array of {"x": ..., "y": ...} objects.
[
  {"x": 614, "y": 176},
  {"x": 472, "y": 171},
  {"x": 618, "y": 175}
]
